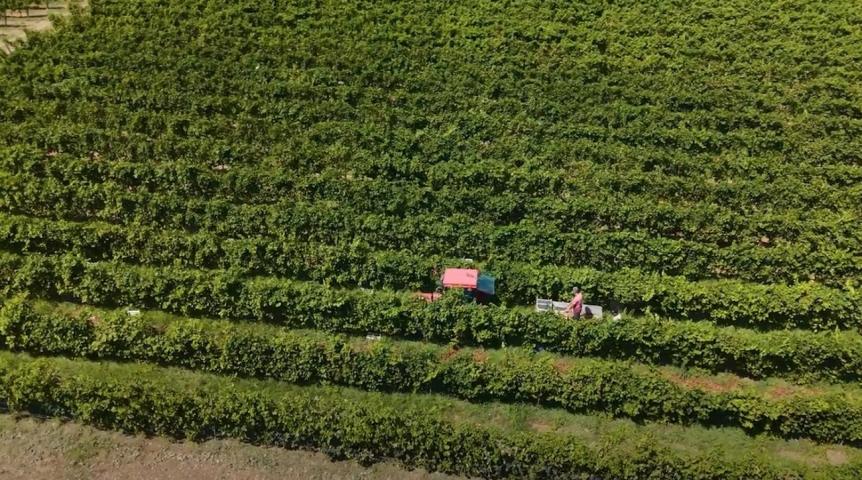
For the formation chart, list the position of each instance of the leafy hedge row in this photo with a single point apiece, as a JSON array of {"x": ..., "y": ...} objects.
[
  {"x": 801, "y": 188},
  {"x": 368, "y": 430},
  {"x": 801, "y": 355},
  {"x": 538, "y": 90},
  {"x": 410, "y": 216},
  {"x": 580, "y": 242},
  {"x": 229, "y": 293},
  {"x": 352, "y": 264},
  {"x": 577, "y": 385},
  {"x": 728, "y": 302}
]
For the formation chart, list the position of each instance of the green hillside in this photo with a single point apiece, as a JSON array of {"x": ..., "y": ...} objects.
[{"x": 272, "y": 182}]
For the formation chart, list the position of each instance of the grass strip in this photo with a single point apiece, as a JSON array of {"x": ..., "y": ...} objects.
[
  {"x": 822, "y": 412},
  {"x": 489, "y": 440},
  {"x": 802, "y": 355}
]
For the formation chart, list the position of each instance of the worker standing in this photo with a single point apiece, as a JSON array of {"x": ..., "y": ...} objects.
[
  {"x": 616, "y": 310},
  {"x": 577, "y": 303}
]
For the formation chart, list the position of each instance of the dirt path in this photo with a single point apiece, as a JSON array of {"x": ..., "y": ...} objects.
[
  {"x": 19, "y": 23},
  {"x": 51, "y": 450}
]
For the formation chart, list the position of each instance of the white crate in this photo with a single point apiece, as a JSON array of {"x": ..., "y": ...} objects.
[{"x": 548, "y": 305}]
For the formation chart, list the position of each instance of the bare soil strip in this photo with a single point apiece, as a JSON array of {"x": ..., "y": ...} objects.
[
  {"x": 33, "y": 449},
  {"x": 38, "y": 19}
]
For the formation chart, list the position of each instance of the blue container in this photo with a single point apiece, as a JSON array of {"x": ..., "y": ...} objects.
[{"x": 486, "y": 284}]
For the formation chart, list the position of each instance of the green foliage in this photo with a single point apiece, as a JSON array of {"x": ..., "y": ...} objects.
[
  {"x": 577, "y": 385},
  {"x": 228, "y": 293},
  {"x": 415, "y": 259},
  {"x": 535, "y": 84},
  {"x": 804, "y": 305},
  {"x": 801, "y": 355},
  {"x": 450, "y": 186},
  {"x": 383, "y": 218},
  {"x": 184, "y": 405},
  {"x": 699, "y": 163}
]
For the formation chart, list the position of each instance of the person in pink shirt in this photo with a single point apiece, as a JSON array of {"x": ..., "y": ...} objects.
[{"x": 577, "y": 303}]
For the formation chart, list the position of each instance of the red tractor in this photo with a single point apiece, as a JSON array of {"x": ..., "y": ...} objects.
[{"x": 475, "y": 285}]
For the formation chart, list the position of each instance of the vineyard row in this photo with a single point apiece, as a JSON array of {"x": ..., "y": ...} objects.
[
  {"x": 228, "y": 293},
  {"x": 455, "y": 236},
  {"x": 812, "y": 187},
  {"x": 355, "y": 264},
  {"x": 578, "y": 385},
  {"x": 347, "y": 424}
]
